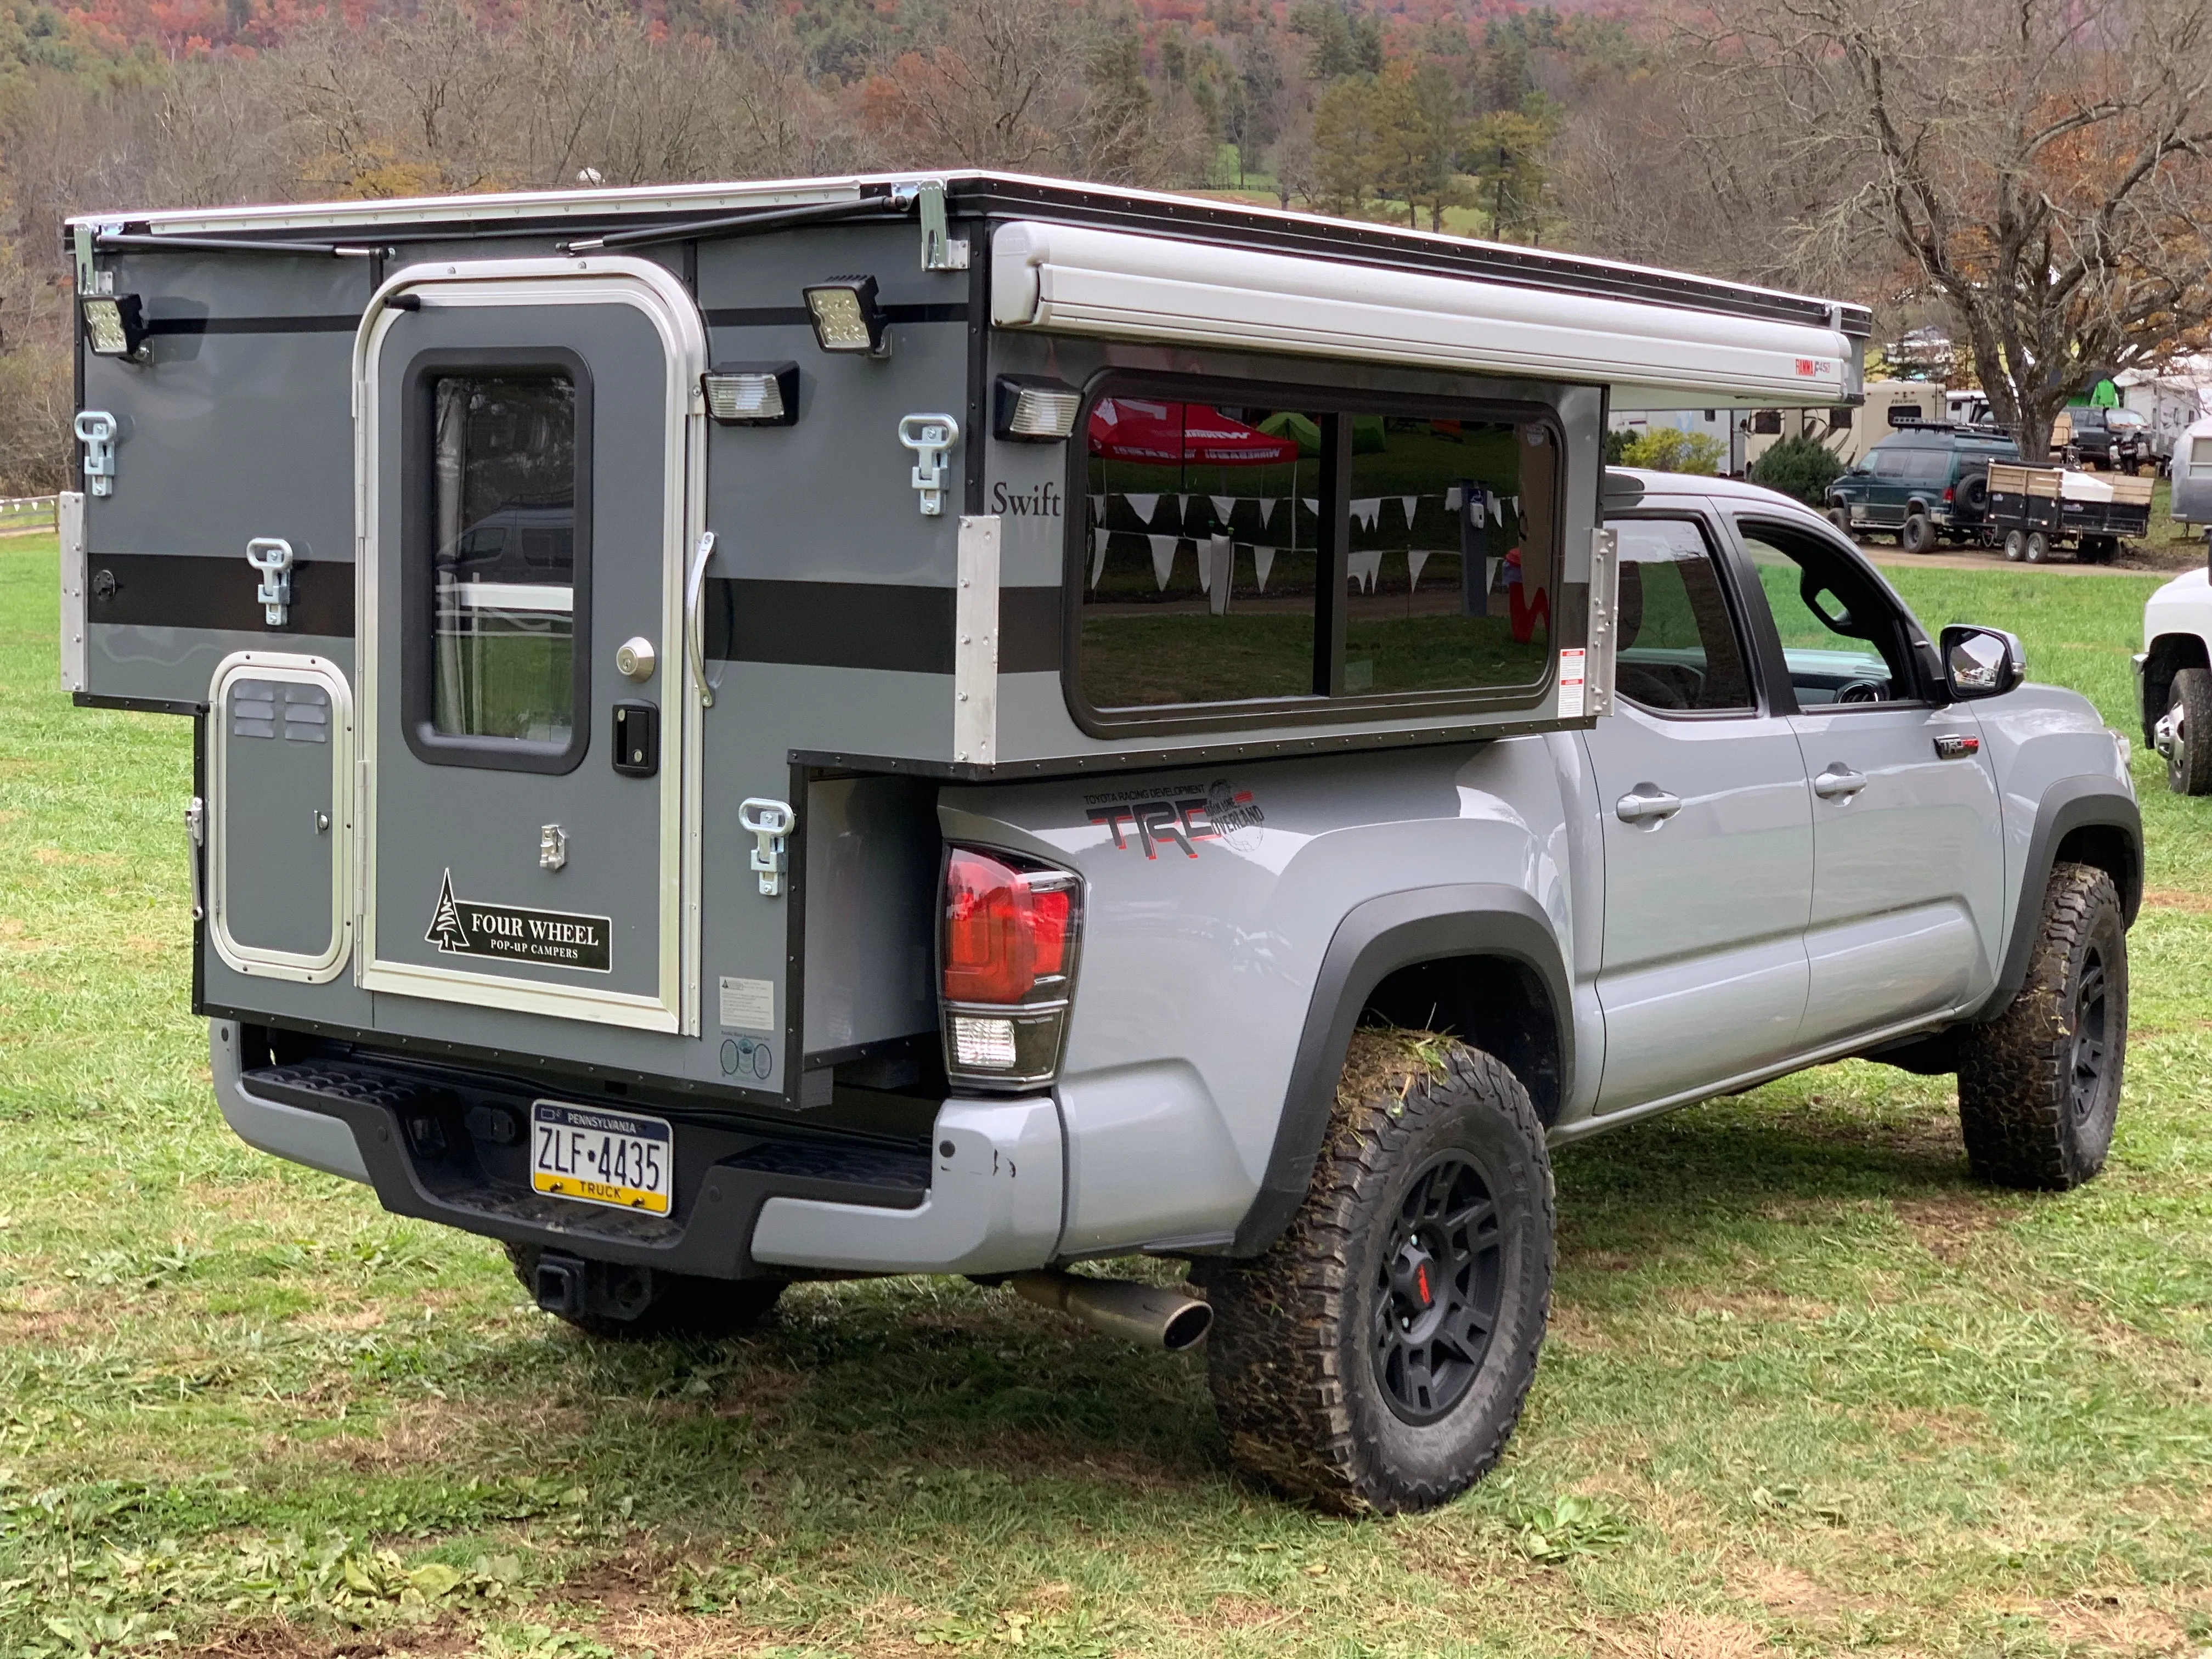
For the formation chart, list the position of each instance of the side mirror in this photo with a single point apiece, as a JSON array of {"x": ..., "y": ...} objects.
[{"x": 1981, "y": 662}]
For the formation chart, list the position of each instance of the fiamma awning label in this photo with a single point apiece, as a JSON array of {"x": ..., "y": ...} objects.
[{"x": 515, "y": 932}]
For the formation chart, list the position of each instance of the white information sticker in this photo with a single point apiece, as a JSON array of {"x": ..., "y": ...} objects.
[
  {"x": 749, "y": 1005},
  {"x": 1571, "y": 697}
]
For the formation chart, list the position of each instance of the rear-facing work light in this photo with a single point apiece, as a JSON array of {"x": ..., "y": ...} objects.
[
  {"x": 752, "y": 394},
  {"x": 115, "y": 324},
  {"x": 846, "y": 316},
  {"x": 1030, "y": 409}
]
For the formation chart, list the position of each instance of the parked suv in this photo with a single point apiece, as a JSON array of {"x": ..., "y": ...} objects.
[
  {"x": 1927, "y": 484},
  {"x": 2174, "y": 680}
]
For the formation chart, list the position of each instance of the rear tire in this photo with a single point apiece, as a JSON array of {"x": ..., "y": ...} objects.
[
  {"x": 2188, "y": 749},
  {"x": 2039, "y": 547},
  {"x": 682, "y": 1304},
  {"x": 2100, "y": 550},
  {"x": 2040, "y": 1087},
  {"x": 2015, "y": 545},
  {"x": 1918, "y": 535},
  {"x": 1333, "y": 1378}
]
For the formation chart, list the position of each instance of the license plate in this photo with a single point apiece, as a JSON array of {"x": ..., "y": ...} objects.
[{"x": 587, "y": 1153}]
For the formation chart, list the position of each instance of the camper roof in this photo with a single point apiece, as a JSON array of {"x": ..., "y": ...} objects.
[{"x": 1718, "y": 341}]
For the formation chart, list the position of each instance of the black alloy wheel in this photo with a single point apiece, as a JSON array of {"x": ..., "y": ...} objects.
[
  {"x": 1436, "y": 1290},
  {"x": 2092, "y": 1054}
]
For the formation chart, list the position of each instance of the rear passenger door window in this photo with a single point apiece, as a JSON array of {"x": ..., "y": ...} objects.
[{"x": 1678, "y": 650}]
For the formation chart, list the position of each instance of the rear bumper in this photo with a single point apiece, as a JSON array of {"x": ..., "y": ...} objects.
[{"x": 751, "y": 1199}]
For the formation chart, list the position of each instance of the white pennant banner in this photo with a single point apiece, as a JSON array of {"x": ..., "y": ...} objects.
[
  {"x": 1365, "y": 565},
  {"x": 1415, "y": 559},
  {"x": 1223, "y": 506},
  {"x": 1097, "y": 555},
  {"x": 1263, "y": 561},
  {"x": 1164, "y": 552},
  {"x": 1142, "y": 506},
  {"x": 1267, "y": 509},
  {"x": 1367, "y": 510},
  {"x": 1413, "y": 505}
]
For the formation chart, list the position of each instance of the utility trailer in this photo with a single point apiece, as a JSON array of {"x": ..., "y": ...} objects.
[
  {"x": 686, "y": 680},
  {"x": 2035, "y": 509}
]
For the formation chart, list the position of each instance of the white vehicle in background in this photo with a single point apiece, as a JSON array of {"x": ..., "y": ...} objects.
[{"x": 2174, "y": 680}]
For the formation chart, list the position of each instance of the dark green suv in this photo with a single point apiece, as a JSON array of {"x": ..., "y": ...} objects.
[{"x": 1926, "y": 483}]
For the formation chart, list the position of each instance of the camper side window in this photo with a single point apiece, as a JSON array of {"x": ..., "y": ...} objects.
[
  {"x": 1244, "y": 560},
  {"x": 503, "y": 556}
]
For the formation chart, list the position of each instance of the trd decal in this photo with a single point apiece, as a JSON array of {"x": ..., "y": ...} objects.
[{"x": 1150, "y": 820}]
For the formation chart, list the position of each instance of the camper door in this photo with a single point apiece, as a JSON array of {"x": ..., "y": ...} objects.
[{"x": 528, "y": 492}]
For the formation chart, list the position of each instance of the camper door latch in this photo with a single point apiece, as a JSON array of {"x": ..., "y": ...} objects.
[
  {"x": 768, "y": 821},
  {"x": 272, "y": 557},
  {"x": 939, "y": 251},
  {"x": 930, "y": 436},
  {"x": 95, "y": 430}
]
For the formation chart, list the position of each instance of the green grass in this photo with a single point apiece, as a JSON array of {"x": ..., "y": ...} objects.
[{"x": 1808, "y": 1386}]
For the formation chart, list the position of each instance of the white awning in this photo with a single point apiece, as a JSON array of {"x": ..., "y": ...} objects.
[{"x": 1115, "y": 285}]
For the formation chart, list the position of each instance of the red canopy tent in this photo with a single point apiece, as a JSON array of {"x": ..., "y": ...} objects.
[{"x": 1180, "y": 434}]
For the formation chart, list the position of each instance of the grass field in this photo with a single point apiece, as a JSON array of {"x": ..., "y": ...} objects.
[{"x": 1808, "y": 1387}]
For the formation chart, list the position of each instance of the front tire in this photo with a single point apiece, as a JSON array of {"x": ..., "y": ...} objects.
[
  {"x": 2184, "y": 734},
  {"x": 2040, "y": 1087},
  {"x": 681, "y": 1304},
  {"x": 1841, "y": 518},
  {"x": 1377, "y": 1356}
]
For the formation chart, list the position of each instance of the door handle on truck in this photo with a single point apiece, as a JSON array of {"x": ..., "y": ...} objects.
[
  {"x": 1644, "y": 802},
  {"x": 1839, "y": 783},
  {"x": 694, "y": 638}
]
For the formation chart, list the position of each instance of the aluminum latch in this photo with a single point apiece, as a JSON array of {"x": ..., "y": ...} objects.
[
  {"x": 930, "y": 437},
  {"x": 272, "y": 557},
  {"x": 195, "y": 840},
  {"x": 768, "y": 821},
  {"x": 939, "y": 251},
  {"x": 95, "y": 429}
]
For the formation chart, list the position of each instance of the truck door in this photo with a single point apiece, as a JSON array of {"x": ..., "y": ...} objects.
[
  {"x": 1908, "y": 852},
  {"x": 1708, "y": 834},
  {"x": 528, "y": 492}
]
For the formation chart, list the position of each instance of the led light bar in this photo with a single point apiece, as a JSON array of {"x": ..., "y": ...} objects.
[
  {"x": 752, "y": 394},
  {"x": 1031, "y": 410},
  {"x": 846, "y": 316}
]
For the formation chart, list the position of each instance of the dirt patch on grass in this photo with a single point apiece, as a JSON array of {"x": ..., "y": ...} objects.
[
  {"x": 1765, "y": 1307},
  {"x": 2177, "y": 898},
  {"x": 437, "y": 1431},
  {"x": 1680, "y": 1636},
  {"x": 2114, "y": 1621},
  {"x": 1949, "y": 1227},
  {"x": 280, "y": 1638}
]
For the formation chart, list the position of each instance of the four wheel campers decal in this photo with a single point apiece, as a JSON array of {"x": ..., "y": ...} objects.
[
  {"x": 1149, "y": 819},
  {"x": 513, "y": 932}
]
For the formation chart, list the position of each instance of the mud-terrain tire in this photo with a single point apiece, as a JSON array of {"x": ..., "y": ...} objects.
[
  {"x": 1918, "y": 535},
  {"x": 2040, "y": 1087},
  {"x": 2189, "y": 705},
  {"x": 685, "y": 1305},
  {"x": 1841, "y": 518},
  {"x": 1330, "y": 1381}
]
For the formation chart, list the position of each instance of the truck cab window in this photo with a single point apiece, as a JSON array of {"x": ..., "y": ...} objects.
[
  {"x": 1843, "y": 638},
  {"x": 502, "y": 563},
  {"x": 1678, "y": 648}
]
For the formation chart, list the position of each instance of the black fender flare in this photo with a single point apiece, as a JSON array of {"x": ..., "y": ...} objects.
[
  {"x": 1376, "y": 939},
  {"x": 2093, "y": 801}
]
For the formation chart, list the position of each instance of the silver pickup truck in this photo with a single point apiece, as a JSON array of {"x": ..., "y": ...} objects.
[{"x": 970, "y": 725}]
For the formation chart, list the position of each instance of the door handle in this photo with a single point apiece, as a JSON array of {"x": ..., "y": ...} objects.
[
  {"x": 1839, "y": 783},
  {"x": 694, "y": 640},
  {"x": 1643, "y": 803}
]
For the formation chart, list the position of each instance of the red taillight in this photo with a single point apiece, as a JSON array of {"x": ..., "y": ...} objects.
[
  {"x": 1005, "y": 929},
  {"x": 1948, "y": 490}
]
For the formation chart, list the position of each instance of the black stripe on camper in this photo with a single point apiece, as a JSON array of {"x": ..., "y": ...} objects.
[{"x": 194, "y": 589}]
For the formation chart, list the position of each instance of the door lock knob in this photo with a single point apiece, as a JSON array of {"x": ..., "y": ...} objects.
[{"x": 634, "y": 658}]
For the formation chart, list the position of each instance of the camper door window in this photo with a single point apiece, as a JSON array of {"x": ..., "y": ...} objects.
[
  {"x": 1249, "y": 555},
  {"x": 503, "y": 561}
]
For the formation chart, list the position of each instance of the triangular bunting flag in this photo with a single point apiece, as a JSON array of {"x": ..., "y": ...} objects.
[
  {"x": 1098, "y": 509},
  {"x": 1367, "y": 510},
  {"x": 1205, "y": 567},
  {"x": 1312, "y": 506},
  {"x": 1415, "y": 559},
  {"x": 1366, "y": 564},
  {"x": 1098, "y": 539},
  {"x": 1142, "y": 506},
  {"x": 1413, "y": 505},
  {"x": 1263, "y": 561},
  {"x": 1452, "y": 498},
  {"x": 1223, "y": 506},
  {"x": 1164, "y": 552},
  {"x": 1267, "y": 509}
]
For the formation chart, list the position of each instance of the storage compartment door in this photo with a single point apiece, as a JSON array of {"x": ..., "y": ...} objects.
[{"x": 280, "y": 756}]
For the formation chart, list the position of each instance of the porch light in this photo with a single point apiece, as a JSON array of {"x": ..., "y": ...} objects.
[
  {"x": 115, "y": 324},
  {"x": 1031, "y": 410},
  {"x": 752, "y": 394},
  {"x": 846, "y": 316}
]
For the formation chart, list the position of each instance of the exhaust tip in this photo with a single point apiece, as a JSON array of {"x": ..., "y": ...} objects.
[{"x": 1187, "y": 1327}]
